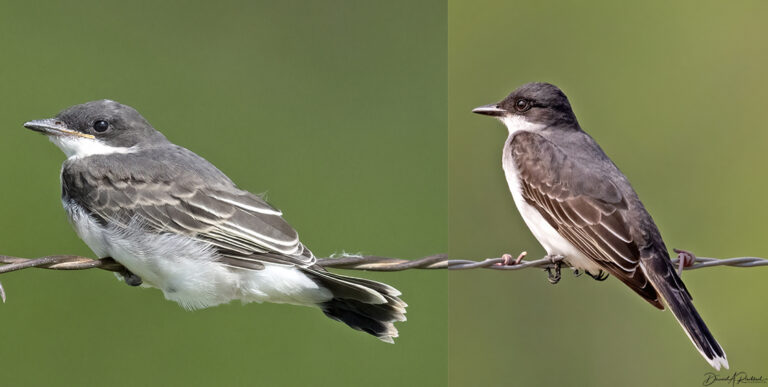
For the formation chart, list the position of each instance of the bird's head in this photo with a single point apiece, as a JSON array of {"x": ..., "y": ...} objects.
[
  {"x": 97, "y": 127},
  {"x": 532, "y": 106}
]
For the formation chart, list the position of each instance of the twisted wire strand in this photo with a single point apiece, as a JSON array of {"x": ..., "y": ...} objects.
[
  {"x": 361, "y": 262},
  {"x": 498, "y": 263}
]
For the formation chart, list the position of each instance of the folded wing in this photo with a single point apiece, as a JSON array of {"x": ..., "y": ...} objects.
[
  {"x": 243, "y": 227},
  {"x": 587, "y": 210}
]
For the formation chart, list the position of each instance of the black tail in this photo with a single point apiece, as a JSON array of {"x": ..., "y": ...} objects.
[
  {"x": 668, "y": 284},
  {"x": 365, "y": 305}
]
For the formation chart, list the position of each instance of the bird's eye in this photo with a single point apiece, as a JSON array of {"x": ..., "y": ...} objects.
[
  {"x": 522, "y": 105},
  {"x": 100, "y": 126}
]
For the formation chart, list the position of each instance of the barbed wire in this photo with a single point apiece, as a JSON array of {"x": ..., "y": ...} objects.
[
  {"x": 349, "y": 262},
  {"x": 503, "y": 264},
  {"x": 686, "y": 260}
]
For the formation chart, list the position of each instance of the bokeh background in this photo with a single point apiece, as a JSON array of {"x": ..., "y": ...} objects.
[
  {"x": 675, "y": 92},
  {"x": 335, "y": 109}
]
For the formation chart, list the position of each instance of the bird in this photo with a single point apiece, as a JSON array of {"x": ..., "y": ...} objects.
[
  {"x": 580, "y": 206},
  {"x": 179, "y": 224}
]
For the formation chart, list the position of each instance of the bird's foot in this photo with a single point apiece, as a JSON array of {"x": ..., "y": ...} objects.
[
  {"x": 600, "y": 276},
  {"x": 553, "y": 270},
  {"x": 121, "y": 271},
  {"x": 130, "y": 278},
  {"x": 577, "y": 272},
  {"x": 685, "y": 259},
  {"x": 508, "y": 261}
]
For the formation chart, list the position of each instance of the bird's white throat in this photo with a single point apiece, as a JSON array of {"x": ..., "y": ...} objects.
[
  {"x": 517, "y": 123},
  {"x": 78, "y": 147}
]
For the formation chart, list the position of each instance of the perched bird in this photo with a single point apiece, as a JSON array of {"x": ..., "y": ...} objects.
[
  {"x": 179, "y": 224},
  {"x": 579, "y": 205}
]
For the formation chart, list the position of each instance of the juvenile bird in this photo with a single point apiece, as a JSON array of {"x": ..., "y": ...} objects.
[{"x": 179, "y": 224}]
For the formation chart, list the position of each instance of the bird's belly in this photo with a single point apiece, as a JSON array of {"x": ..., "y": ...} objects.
[
  {"x": 552, "y": 241},
  {"x": 183, "y": 268},
  {"x": 187, "y": 270}
]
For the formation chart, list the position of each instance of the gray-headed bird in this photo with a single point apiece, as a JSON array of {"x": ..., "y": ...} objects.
[{"x": 179, "y": 224}]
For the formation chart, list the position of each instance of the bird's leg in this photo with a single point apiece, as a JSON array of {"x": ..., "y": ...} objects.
[
  {"x": 554, "y": 278},
  {"x": 507, "y": 259},
  {"x": 577, "y": 272},
  {"x": 685, "y": 259}
]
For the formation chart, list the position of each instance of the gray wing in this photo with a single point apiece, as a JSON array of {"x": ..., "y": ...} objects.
[
  {"x": 584, "y": 205},
  {"x": 182, "y": 193}
]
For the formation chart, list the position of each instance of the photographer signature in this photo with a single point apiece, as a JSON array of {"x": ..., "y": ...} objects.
[{"x": 739, "y": 377}]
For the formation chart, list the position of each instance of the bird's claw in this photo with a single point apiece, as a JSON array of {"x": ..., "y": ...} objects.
[
  {"x": 553, "y": 271},
  {"x": 600, "y": 276},
  {"x": 685, "y": 259}
]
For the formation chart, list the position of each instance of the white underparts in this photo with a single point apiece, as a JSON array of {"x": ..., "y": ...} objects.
[{"x": 186, "y": 269}]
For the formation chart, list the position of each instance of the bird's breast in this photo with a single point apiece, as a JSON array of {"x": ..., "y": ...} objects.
[{"x": 87, "y": 228}]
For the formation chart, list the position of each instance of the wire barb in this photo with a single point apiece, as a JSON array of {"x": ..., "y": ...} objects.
[{"x": 685, "y": 259}]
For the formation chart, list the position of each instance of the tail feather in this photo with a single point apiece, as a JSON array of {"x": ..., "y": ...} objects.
[
  {"x": 668, "y": 284},
  {"x": 366, "y": 305}
]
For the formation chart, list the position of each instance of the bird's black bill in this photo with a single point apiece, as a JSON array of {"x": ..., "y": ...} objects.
[
  {"x": 492, "y": 110},
  {"x": 52, "y": 126}
]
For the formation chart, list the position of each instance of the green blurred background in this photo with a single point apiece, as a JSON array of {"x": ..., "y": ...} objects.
[
  {"x": 336, "y": 109},
  {"x": 676, "y": 93}
]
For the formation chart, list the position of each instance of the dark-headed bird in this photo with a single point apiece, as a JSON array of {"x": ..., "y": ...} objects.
[{"x": 579, "y": 205}]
